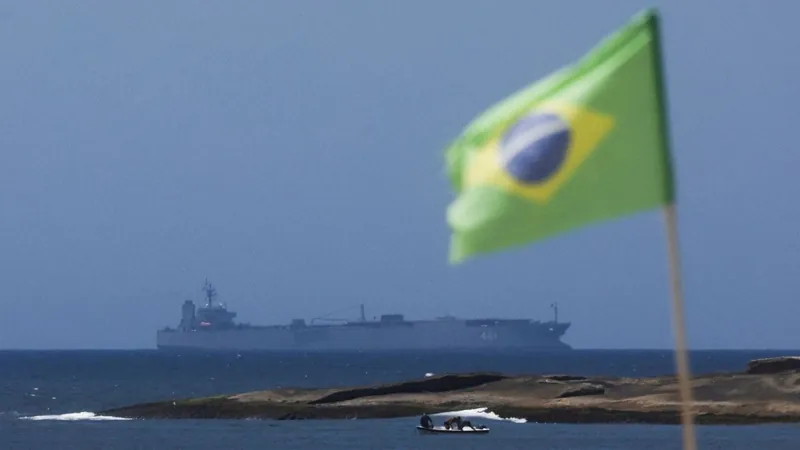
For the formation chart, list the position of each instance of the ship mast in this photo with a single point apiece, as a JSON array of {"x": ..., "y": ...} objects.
[
  {"x": 211, "y": 292},
  {"x": 554, "y": 305}
]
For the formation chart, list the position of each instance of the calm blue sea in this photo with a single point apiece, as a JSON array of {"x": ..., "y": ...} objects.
[{"x": 46, "y": 400}]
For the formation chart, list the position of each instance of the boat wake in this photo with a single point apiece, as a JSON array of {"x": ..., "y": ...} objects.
[
  {"x": 84, "y": 415},
  {"x": 482, "y": 413}
]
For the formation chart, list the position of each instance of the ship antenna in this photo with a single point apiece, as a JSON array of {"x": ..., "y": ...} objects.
[{"x": 208, "y": 288}]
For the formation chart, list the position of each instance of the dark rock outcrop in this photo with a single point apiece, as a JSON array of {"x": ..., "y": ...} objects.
[
  {"x": 584, "y": 389},
  {"x": 442, "y": 383},
  {"x": 773, "y": 365},
  {"x": 565, "y": 378}
]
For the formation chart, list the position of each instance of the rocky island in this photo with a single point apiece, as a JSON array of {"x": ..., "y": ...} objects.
[{"x": 768, "y": 391}]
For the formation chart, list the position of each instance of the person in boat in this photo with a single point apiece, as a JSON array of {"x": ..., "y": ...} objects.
[
  {"x": 460, "y": 423},
  {"x": 448, "y": 424},
  {"x": 465, "y": 423},
  {"x": 426, "y": 421}
]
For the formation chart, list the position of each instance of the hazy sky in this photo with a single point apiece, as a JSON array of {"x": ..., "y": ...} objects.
[{"x": 292, "y": 152}]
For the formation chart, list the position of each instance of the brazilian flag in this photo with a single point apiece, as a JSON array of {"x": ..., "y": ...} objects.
[{"x": 586, "y": 143}]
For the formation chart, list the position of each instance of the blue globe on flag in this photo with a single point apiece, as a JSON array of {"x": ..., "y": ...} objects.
[{"x": 535, "y": 147}]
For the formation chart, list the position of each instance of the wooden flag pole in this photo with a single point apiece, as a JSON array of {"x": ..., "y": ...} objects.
[{"x": 679, "y": 329}]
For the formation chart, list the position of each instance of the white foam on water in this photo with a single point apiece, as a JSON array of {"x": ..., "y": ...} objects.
[
  {"x": 83, "y": 415},
  {"x": 483, "y": 413},
  {"x": 428, "y": 374}
]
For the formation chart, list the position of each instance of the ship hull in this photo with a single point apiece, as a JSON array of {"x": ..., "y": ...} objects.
[{"x": 457, "y": 334}]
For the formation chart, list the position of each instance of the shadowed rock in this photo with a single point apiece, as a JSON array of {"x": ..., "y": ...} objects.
[
  {"x": 774, "y": 365},
  {"x": 566, "y": 378},
  {"x": 586, "y": 389},
  {"x": 438, "y": 384}
]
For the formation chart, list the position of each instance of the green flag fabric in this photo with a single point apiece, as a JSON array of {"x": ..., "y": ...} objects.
[{"x": 587, "y": 143}]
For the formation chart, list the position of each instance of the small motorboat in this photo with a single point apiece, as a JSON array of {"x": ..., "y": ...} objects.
[{"x": 480, "y": 429}]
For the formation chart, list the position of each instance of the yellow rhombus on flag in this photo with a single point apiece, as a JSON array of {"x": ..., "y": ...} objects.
[{"x": 584, "y": 144}]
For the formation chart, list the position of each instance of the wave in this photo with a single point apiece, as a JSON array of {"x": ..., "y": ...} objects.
[
  {"x": 83, "y": 415},
  {"x": 482, "y": 413}
]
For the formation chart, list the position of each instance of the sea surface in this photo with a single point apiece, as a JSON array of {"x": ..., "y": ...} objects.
[{"x": 48, "y": 400}]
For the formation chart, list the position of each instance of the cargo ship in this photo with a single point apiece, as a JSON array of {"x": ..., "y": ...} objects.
[{"x": 212, "y": 327}]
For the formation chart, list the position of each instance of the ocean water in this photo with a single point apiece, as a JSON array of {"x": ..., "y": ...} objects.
[{"x": 48, "y": 400}]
